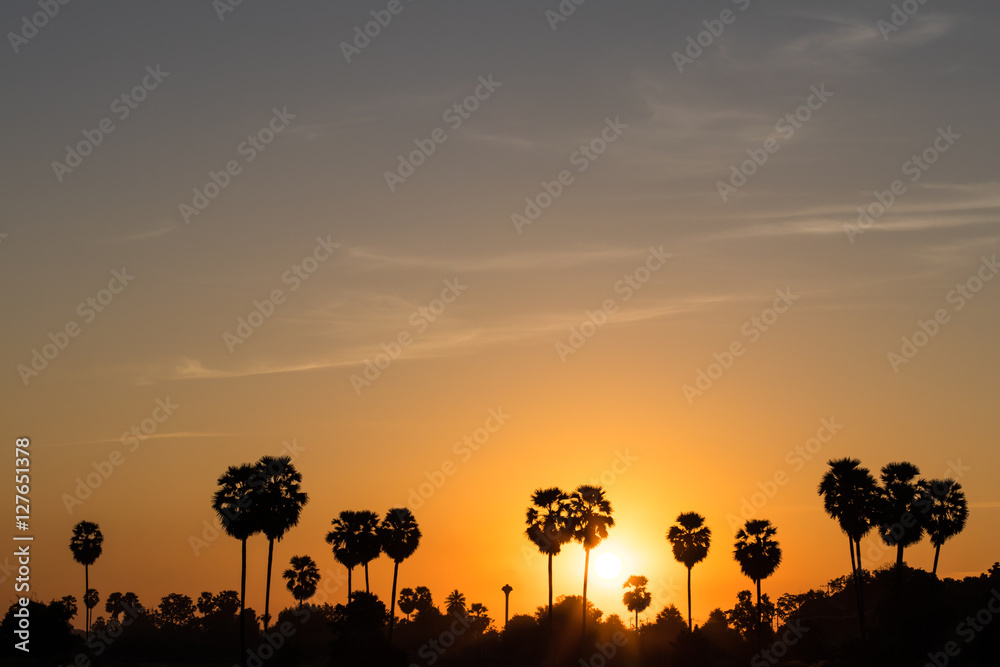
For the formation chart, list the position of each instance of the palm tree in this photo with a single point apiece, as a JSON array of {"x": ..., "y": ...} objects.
[
  {"x": 281, "y": 503},
  {"x": 455, "y": 603},
  {"x": 344, "y": 540},
  {"x": 369, "y": 545},
  {"x": 638, "y": 598},
  {"x": 689, "y": 539},
  {"x": 758, "y": 555},
  {"x": 548, "y": 526},
  {"x": 234, "y": 503},
  {"x": 947, "y": 512},
  {"x": 302, "y": 577},
  {"x": 86, "y": 545},
  {"x": 851, "y": 495},
  {"x": 407, "y": 601},
  {"x": 590, "y": 518},
  {"x": 90, "y": 600},
  {"x": 399, "y": 537},
  {"x": 355, "y": 536},
  {"x": 113, "y": 605},
  {"x": 899, "y": 498}
]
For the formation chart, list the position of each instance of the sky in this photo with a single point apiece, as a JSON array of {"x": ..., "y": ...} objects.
[{"x": 689, "y": 253}]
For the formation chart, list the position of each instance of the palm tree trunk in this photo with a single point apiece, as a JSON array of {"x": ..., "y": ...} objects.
[
  {"x": 857, "y": 586},
  {"x": 392, "y": 601},
  {"x": 937, "y": 553},
  {"x": 758, "y": 616},
  {"x": 267, "y": 591},
  {"x": 586, "y": 572},
  {"x": 243, "y": 597},
  {"x": 637, "y": 619},
  {"x": 550, "y": 592},
  {"x": 349, "y": 570},
  {"x": 899, "y": 556},
  {"x": 861, "y": 587},
  {"x": 86, "y": 609},
  {"x": 690, "y": 623},
  {"x": 367, "y": 590}
]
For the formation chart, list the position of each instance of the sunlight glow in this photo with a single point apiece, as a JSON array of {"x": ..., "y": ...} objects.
[{"x": 608, "y": 565}]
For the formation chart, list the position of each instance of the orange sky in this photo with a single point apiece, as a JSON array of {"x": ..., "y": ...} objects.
[{"x": 497, "y": 342}]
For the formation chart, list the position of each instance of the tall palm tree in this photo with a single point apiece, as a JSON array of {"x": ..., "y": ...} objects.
[
  {"x": 302, "y": 578},
  {"x": 86, "y": 545},
  {"x": 548, "y": 526},
  {"x": 343, "y": 540},
  {"x": 369, "y": 545},
  {"x": 689, "y": 539},
  {"x": 947, "y": 512},
  {"x": 638, "y": 598},
  {"x": 851, "y": 496},
  {"x": 281, "y": 503},
  {"x": 590, "y": 518},
  {"x": 399, "y": 537},
  {"x": 455, "y": 603},
  {"x": 899, "y": 500},
  {"x": 235, "y": 502},
  {"x": 758, "y": 555}
]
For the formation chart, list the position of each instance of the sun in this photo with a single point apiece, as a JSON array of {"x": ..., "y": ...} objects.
[{"x": 608, "y": 565}]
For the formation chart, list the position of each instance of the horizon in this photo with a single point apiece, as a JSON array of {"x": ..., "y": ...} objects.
[{"x": 688, "y": 254}]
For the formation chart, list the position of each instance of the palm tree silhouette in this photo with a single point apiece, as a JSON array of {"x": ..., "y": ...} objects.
[
  {"x": 234, "y": 503},
  {"x": 758, "y": 555},
  {"x": 280, "y": 505},
  {"x": 638, "y": 598},
  {"x": 851, "y": 496},
  {"x": 689, "y": 539},
  {"x": 90, "y": 600},
  {"x": 899, "y": 498},
  {"x": 86, "y": 545},
  {"x": 302, "y": 578},
  {"x": 455, "y": 603},
  {"x": 548, "y": 526},
  {"x": 590, "y": 518},
  {"x": 399, "y": 537},
  {"x": 344, "y": 541},
  {"x": 407, "y": 601},
  {"x": 947, "y": 512},
  {"x": 113, "y": 605},
  {"x": 369, "y": 545}
]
